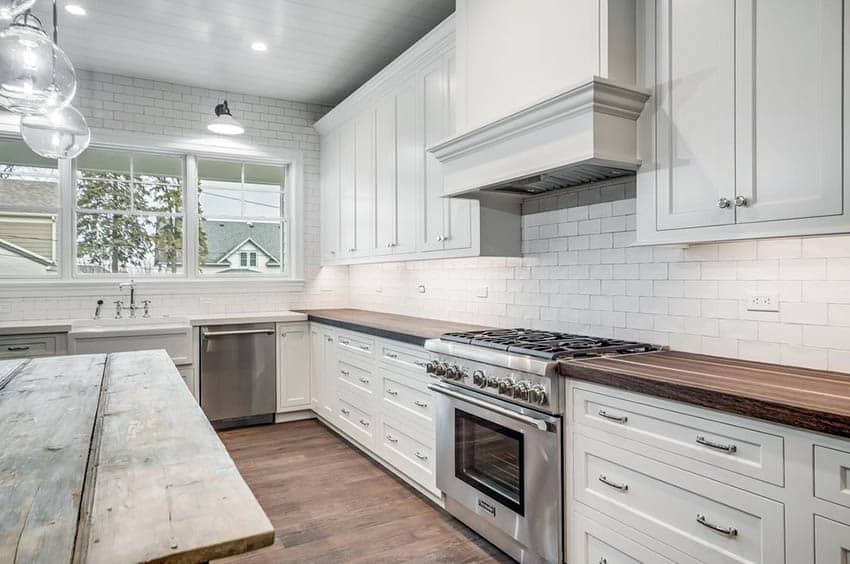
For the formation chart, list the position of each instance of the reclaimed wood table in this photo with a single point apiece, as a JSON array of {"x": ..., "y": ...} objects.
[{"x": 109, "y": 459}]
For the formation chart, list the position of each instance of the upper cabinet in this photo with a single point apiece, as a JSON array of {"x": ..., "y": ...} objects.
[
  {"x": 744, "y": 137},
  {"x": 382, "y": 193}
]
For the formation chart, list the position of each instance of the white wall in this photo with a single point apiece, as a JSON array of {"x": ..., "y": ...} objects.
[
  {"x": 116, "y": 104},
  {"x": 578, "y": 274}
]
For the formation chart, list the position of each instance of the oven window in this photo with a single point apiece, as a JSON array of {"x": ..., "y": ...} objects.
[{"x": 489, "y": 457}]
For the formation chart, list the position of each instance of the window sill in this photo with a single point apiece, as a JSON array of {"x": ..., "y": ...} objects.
[{"x": 109, "y": 287}]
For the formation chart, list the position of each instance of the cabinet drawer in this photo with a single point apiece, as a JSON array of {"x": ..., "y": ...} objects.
[
  {"x": 832, "y": 541},
  {"x": 703, "y": 518},
  {"x": 408, "y": 454},
  {"x": 595, "y": 544},
  {"x": 29, "y": 346},
  {"x": 356, "y": 422},
  {"x": 738, "y": 449},
  {"x": 404, "y": 358},
  {"x": 176, "y": 342},
  {"x": 408, "y": 400},
  {"x": 359, "y": 378},
  {"x": 359, "y": 344},
  {"x": 832, "y": 475}
]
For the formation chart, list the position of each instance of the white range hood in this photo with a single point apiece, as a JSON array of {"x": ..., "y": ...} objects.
[
  {"x": 544, "y": 96},
  {"x": 583, "y": 134}
]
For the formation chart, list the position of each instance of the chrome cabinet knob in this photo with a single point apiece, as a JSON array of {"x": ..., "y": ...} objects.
[
  {"x": 723, "y": 203},
  {"x": 741, "y": 201}
]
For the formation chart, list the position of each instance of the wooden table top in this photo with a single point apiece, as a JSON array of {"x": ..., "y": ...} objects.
[
  {"x": 811, "y": 399},
  {"x": 108, "y": 458},
  {"x": 414, "y": 330}
]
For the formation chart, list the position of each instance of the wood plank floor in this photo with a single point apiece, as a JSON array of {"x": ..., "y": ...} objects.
[{"x": 330, "y": 503}]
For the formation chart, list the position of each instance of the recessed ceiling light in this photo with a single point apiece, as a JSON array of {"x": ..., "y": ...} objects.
[
  {"x": 75, "y": 10},
  {"x": 259, "y": 46}
]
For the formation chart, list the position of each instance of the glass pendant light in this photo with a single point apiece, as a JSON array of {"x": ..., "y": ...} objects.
[
  {"x": 224, "y": 123},
  {"x": 36, "y": 77},
  {"x": 11, "y": 8},
  {"x": 63, "y": 134}
]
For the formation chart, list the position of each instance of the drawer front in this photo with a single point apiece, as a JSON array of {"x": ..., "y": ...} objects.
[
  {"x": 832, "y": 475},
  {"x": 408, "y": 399},
  {"x": 360, "y": 345},
  {"x": 404, "y": 358},
  {"x": 832, "y": 541},
  {"x": 411, "y": 456},
  {"x": 177, "y": 344},
  {"x": 703, "y": 518},
  {"x": 358, "y": 423},
  {"x": 28, "y": 346},
  {"x": 597, "y": 544},
  {"x": 359, "y": 378},
  {"x": 741, "y": 450}
]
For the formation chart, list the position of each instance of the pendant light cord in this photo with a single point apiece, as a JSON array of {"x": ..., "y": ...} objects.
[{"x": 55, "y": 24}]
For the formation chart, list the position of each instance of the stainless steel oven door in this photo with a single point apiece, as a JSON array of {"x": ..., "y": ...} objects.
[{"x": 501, "y": 463}]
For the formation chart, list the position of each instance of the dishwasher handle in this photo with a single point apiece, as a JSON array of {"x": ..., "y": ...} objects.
[{"x": 209, "y": 334}]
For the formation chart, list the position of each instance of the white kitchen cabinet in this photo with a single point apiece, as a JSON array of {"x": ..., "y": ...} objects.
[
  {"x": 832, "y": 541},
  {"x": 25, "y": 346},
  {"x": 391, "y": 204},
  {"x": 323, "y": 370},
  {"x": 293, "y": 366},
  {"x": 745, "y": 135}
]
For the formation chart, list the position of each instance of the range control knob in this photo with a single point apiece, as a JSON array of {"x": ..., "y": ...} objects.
[
  {"x": 440, "y": 369},
  {"x": 479, "y": 379},
  {"x": 537, "y": 394},
  {"x": 454, "y": 373},
  {"x": 521, "y": 390},
  {"x": 492, "y": 383},
  {"x": 431, "y": 367},
  {"x": 506, "y": 385}
]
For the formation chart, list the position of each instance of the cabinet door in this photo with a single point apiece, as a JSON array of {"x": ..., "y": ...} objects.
[
  {"x": 832, "y": 541},
  {"x": 347, "y": 189},
  {"x": 328, "y": 395},
  {"x": 411, "y": 154},
  {"x": 364, "y": 209},
  {"x": 695, "y": 113},
  {"x": 385, "y": 176},
  {"x": 789, "y": 139},
  {"x": 458, "y": 218},
  {"x": 293, "y": 366},
  {"x": 330, "y": 196},
  {"x": 436, "y": 128}
]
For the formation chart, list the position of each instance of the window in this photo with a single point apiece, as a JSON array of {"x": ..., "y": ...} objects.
[
  {"x": 29, "y": 210},
  {"x": 129, "y": 213},
  {"x": 243, "y": 218}
]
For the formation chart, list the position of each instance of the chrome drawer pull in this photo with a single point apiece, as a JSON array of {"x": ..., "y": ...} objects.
[
  {"x": 345, "y": 411},
  {"x": 345, "y": 341},
  {"x": 392, "y": 355},
  {"x": 364, "y": 348},
  {"x": 420, "y": 456},
  {"x": 728, "y": 531},
  {"x": 364, "y": 422},
  {"x": 330, "y": 339},
  {"x": 18, "y": 348},
  {"x": 344, "y": 372},
  {"x": 420, "y": 363},
  {"x": 391, "y": 439},
  {"x": 615, "y": 418},
  {"x": 364, "y": 380},
  {"x": 603, "y": 560},
  {"x": 392, "y": 392},
  {"x": 717, "y": 446},
  {"x": 418, "y": 403},
  {"x": 622, "y": 487}
]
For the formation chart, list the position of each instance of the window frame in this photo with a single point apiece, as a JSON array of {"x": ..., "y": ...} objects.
[{"x": 190, "y": 280}]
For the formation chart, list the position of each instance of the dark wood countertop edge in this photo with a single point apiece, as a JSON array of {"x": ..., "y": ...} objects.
[
  {"x": 417, "y": 340},
  {"x": 794, "y": 416}
]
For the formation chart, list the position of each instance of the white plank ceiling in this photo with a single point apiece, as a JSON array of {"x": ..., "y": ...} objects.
[{"x": 319, "y": 50}]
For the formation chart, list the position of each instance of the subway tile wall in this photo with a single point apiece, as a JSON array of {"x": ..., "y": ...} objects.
[
  {"x": 579, "y": 274},
  {"x": 123, "y": 104}
]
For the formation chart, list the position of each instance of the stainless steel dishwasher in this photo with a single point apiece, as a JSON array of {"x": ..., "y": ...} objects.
[{"x": 238, "y": 374}]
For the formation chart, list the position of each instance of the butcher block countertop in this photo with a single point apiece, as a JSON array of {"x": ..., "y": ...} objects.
[
  {"x": 810, "y": 399},
  {"x": 414, "y": 330},
  {"x": 108, "y": 458}
]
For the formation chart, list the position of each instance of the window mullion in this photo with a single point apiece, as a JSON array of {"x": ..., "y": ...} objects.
[
  {"x": 67, "y": 229},
  {"x": 191, "y": 226}
]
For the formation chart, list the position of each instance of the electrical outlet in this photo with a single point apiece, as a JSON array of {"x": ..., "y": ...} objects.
[
  {"x": 481, "y": 292},
  {"x": 760, "y": 301}
]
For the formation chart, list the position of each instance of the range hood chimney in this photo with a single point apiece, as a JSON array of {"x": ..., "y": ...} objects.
[{"x": 553, "y": 107}]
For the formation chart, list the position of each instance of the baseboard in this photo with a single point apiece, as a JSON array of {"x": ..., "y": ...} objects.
[{"x": 299, "y": 415}]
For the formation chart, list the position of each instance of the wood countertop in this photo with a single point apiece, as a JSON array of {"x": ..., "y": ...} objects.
[
  {"x": 811, "y": 399},
  {"x": 414, "y": 330},
  {"x": 108, "y": 458}
]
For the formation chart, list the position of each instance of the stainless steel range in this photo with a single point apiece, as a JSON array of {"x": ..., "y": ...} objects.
[{"x": 499, "y": 442}]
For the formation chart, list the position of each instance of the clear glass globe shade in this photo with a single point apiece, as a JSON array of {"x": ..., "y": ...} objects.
[
  {"x": 11, "y": 8},
  {"x": 36, "y": 77},
  {"x": 63, "y": 134}
]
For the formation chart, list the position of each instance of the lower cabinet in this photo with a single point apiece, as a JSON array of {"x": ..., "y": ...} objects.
[
  {"x": 832, "y": 541},
  {"x": 293, "y": 366},
  {"x": 380, "y": 402},
  {"x": 28, "y": 346}
]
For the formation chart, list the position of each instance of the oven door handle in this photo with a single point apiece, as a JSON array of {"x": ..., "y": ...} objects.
[{"x": 539, "y": 423}]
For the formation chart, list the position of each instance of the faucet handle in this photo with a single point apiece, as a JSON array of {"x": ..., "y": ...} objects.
[
  {"x": 147, "y": 305},
  {"x": 119, "y": 305}
]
